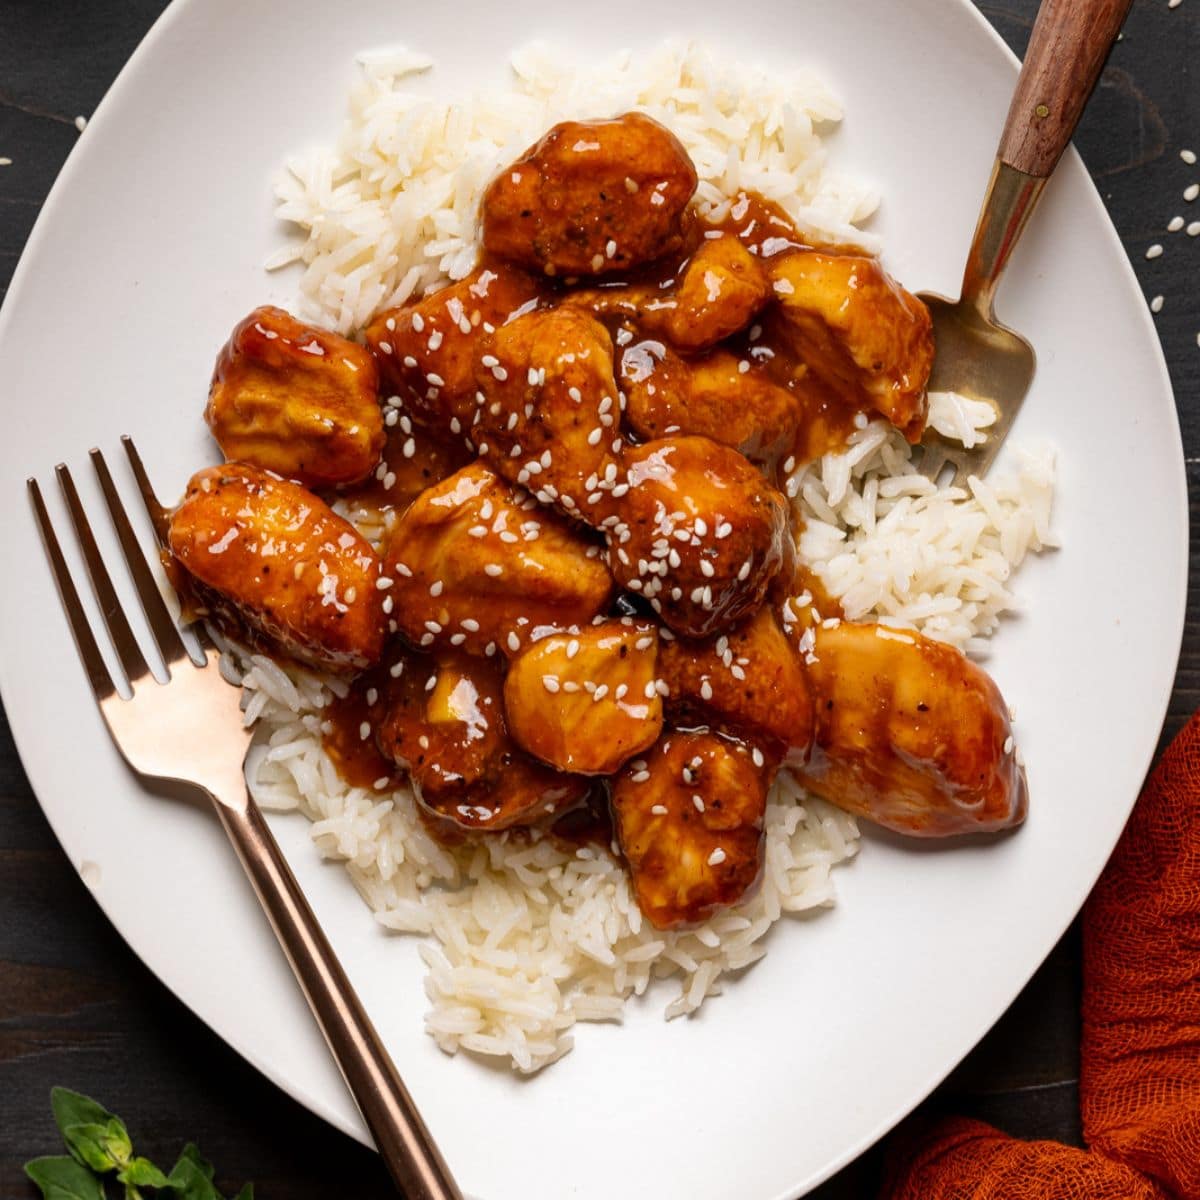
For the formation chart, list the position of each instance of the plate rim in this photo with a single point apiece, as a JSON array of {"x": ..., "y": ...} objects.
[{"x": 315, "y": 1102}]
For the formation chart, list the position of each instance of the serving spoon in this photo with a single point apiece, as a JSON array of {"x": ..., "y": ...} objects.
[{"x": 976, "y": 355}]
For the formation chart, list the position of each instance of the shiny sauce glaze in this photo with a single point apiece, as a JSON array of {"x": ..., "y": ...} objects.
[{"x": 414, "y": 458}]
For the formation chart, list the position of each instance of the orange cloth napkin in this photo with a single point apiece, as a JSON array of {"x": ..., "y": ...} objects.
[{"x": 1139, "y": 1083}]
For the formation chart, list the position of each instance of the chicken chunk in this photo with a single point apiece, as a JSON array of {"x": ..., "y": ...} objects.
[
  {"x": 475, "y": 563},
  {"x": 427, "y": 351},
  {"x": 296, "y": 400},
  {"x": 549, "y": 413},
  {"x": 709, "y": 397},
  {"x": 910, "y": 734},
  {"x": 689, "y": 820},
  {"x": 443, "y": 720},
  {"x": 271, "y": 553},
  {"x": 585, "y": 700},
  {"x": 749, "y": 682},
  {"x": 859, "y": 332},
  {"x": 591, "y": 198},
  {"x": 720, "y": 290},
  {"x": 700, "y": 533}
]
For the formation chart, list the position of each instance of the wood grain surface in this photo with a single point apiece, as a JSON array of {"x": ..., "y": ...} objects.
[{"x": 77, "y": 1008}]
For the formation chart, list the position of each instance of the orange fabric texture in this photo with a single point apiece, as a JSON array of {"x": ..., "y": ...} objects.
[{"x": 1140, "y": 1058}]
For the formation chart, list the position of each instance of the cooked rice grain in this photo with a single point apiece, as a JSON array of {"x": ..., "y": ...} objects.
[{"x": 524, "y": 937}]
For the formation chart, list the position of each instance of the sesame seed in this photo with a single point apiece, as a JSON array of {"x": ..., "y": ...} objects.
[
  {"x": 396, "y": 670},
  {"x": 1188, "y": 156},
  {"x": 433, "y": 627},
  {"x": 1154, "y": 251},
  {"x": 387, "y": 605},
  {"x": 706, "y": 692},
  {"x": 706, "y": 568},
  {"x": 660, "y": 686},
  {"x": 514, "y": 642},
  {"x": 716, "y": 858},
  {"x": 1191, "y": 192},
  {"x": 364, "y": 731},
  {"x": 600, "y": 692},
  {"x": 418, "y": 322},
  {"x": 744, "y": 573},
  {"x": 383, "y": 583},
  {"x": 457, "y": 639},
  {"x": 435, "y": 588},
  {"x": 757, "y": 755},
  {"x": 470, "y": 624},
  {"x": 550, "y": 683},
  {"x": 1156, "y": 304},
  {"x": 435, "y": 380},
  {"x": 494, "y": 570},
  {"x": 698, "y": 802},
  {"x": 570, "y": 686},
  {"x": 409, "y": 448},
  {"x": 659, "y": 810},
  {"x": 435, "y": 340},
  {"x": 385, "y": 347},
  {"x": 1193, "y": 229},
  {"x": 572, "y": 648}
]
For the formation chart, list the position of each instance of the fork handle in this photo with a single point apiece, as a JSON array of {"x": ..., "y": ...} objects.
[
  {"x": 1068, "y": 46},
  {"x": 400, "y": 1134}
]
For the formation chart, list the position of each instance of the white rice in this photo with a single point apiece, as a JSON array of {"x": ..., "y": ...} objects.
[
  {"x": 522, "y": 937},
  {"x": 391, "y": 210}
]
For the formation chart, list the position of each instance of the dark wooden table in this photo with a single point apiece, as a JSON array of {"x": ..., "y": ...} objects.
[{"x": 77, "y": 1008}]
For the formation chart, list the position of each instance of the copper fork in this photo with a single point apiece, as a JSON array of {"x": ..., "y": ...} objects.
[
  {"x": 154, "y": 728},
  {"x": 977, "y": 356}
]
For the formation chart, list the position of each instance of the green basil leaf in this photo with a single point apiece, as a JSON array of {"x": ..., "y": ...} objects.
[
  {"x": 191, "y": 1154},
  {"x": 247, "y": 1193},
  {"x": 73, "y": 1108},
  {"x": 141, "y": 1172},
  {"x": 62, "y": 1178},
  {"x": 101, "y": 1147},
  {"x": 191, "y": 1176}
]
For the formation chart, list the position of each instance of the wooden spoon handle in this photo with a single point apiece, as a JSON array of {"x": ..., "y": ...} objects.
[{"x": 1070, "y": 41}]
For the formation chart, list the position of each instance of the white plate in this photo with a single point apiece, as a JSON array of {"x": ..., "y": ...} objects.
[{"x": 147, "y": 252}]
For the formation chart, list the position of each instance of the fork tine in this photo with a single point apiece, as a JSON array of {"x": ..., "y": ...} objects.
[
  {"x": 85, "y": 641},
  {"x": 158, "y": 514},
  {"x": 166, "y": 634},
  {"x": 128, "y": 650},
  {"x": 160, "y": 519}
]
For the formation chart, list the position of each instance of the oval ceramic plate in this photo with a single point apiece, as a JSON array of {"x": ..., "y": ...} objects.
[{"x": 147, "y": 252}]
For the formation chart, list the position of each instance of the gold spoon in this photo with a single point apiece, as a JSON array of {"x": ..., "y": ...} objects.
[{"x": 977, "y": 356}]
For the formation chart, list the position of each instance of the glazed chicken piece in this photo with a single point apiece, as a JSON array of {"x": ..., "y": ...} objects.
[
  {"x": 427, "y": 351},
  {"x": 475, "y": 563},
  {"x": 299, "y": 576},
  {"x": 710, "y": 397},
  {"x": 749, "y": 682},
  {"x": 700, "y": 535},
  {"x": 859, "y": 332},
  {"x": 584, "y": 700},
  {"x": 719, "y": 292},
  {"x": 549, "y": 416},
  {"x": 689, "y": 820},
  {"x": 591, "y": 198},
  {"x": 296, "y": 400},
  {"x": 443, "y": 721},
  {"x": 910, "y": 734}
]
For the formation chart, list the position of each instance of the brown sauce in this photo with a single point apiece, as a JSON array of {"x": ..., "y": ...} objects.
[
  {"x": 588, "y": 825},
  {"x": 357, "y": 758},
  {"x": 414, "y": 459}
]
